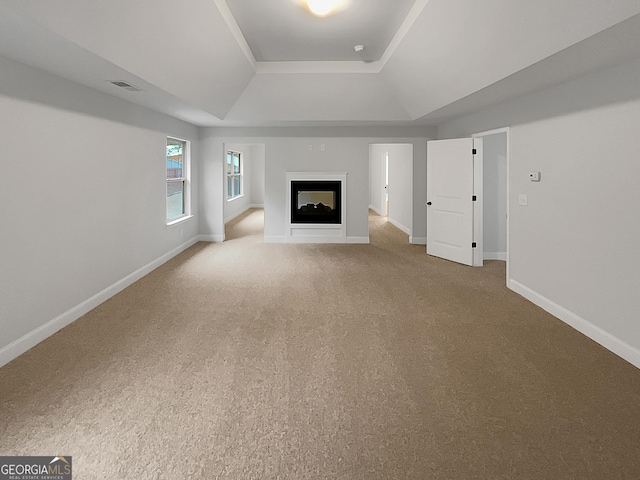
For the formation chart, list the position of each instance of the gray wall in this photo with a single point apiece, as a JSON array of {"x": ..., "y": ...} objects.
[
  {"x": 292, "y": 153},
  {"x": 574, "y": 248},
  {"x": 212, "y": 199},
  {"x": 257, "y": 174},
  {"x": 83, "y": 198},
  {"x": 494, "y": 219},
  {"x": 304, "y": 155},
  {"x": 377, "y": 179}
]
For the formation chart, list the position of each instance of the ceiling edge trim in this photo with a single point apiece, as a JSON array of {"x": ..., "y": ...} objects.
[
  {"x": 318, "y": 67},
  {"x": 413, "y": 15},
  {"x": 225, "y": 11}
]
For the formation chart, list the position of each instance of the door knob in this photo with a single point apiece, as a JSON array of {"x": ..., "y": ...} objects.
[{"x": 429, "y": 203}]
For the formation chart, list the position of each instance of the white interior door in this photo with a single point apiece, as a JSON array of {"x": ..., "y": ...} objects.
[{"x": 450, "y": 200}]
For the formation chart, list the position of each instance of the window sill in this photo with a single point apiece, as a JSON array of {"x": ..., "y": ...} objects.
[
  {"x": 179, "y": 220},
  {"x": 238, "y": 197}
]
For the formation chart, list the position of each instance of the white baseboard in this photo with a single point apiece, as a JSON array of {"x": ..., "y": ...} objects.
[
  {"x": 399, "y": 226},
  {"x": 275, "y": 239},
  {"x": 495, "y": 256},
  {"x": 418, "y": 240},
  {"x": 595, "y": 333},
  {"x": 31, "y": 339},
  {"x": 318, "y": 239},
  {"x": 211, "y": 238},
  {"x": 371, "y": 207},
  {"x": 358, "y": 240}
]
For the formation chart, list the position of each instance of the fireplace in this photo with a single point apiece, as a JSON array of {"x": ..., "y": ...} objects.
[
  {"x": 316, "y": 207},
  {"x": 317, "y": 201}
]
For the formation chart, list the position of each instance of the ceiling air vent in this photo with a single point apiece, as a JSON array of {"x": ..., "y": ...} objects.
[{"x": 125, "y": 85}]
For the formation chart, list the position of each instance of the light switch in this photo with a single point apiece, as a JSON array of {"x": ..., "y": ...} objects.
[
  {"x": 534, "y": 176},
  {"x": 522, "y": 199}
]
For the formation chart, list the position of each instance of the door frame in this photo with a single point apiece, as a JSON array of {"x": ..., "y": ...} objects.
[
  {"x": 384, "y": 193},
  {"x": 385, "y": 188},
  {"x": 478, "y": 204},
  {"x": 507, "y": 131}
]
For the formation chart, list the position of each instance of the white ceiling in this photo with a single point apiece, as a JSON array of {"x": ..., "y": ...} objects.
[
  {"x": 284, "y": 30},
  {"x": 272, "y": 64}
]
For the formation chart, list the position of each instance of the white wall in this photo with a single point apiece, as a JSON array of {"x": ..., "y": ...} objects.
[
  {"x": 257, "y": 175},
  {"x": 377, "y": 180},
  {"x": 212, "y": 179},
  {"x": 494, "y": 221},
  {"x": 84, "y": 201},
  {"x": 574, "y": 248},
  {"x": 288, "y": 150},
  {"x": 401, "y": 186},
  {"x": 176, "y": 46},
  {"x": 305, "y": 155}
]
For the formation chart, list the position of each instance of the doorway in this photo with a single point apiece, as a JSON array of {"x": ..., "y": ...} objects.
[
  {"x": 488, "y": 188},
  {"x": 495, "y": 201},
  {"x": 244, "y": 173},
  {"x": 391, "y": 183}
]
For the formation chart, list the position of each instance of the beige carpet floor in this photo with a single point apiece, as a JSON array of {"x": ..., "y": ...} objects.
[{"x": 246, "y": 360}]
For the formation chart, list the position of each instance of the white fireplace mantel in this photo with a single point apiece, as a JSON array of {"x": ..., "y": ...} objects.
[{"x": 317, "y": 232}]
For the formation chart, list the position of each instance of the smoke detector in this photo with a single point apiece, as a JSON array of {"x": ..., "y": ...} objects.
[{"x": 358, "y": 48}]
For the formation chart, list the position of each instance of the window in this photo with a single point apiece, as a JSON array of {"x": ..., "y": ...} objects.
[
  {"x": 234, "y": 175},
  {"x": 177, "y": 179}
]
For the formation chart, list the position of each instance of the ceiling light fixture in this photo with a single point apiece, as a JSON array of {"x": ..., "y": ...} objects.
[{"x": 322, "y": 7}]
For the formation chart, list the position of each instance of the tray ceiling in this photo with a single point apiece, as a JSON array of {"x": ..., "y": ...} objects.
[
  {"x": 285, "y": 30},
  {"x": 270, "y": 63}
]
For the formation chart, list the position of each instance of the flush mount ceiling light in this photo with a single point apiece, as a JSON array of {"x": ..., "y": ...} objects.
[{"x": 322, "y": 7}]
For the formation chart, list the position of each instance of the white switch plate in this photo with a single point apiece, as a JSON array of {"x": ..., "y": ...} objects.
[
  {"x": 522, "y": 199},
  {"x": 534, "y": 176}
]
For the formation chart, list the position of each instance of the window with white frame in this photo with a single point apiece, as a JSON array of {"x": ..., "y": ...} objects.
[
  {"x": 177, "y": 179},
  {"x": 234, "y": 174}
]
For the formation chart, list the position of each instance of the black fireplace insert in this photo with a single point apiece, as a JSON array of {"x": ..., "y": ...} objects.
[{"x": 317, "y": 201}]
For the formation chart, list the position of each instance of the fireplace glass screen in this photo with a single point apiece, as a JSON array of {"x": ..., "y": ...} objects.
[{"x": 315, "y": 202}]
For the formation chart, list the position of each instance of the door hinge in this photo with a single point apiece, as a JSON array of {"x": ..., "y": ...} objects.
[
  {"x": 474, "y": 151},
  {"x": 474, "y": 198},
  {"x": 473, "y": 245}
]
